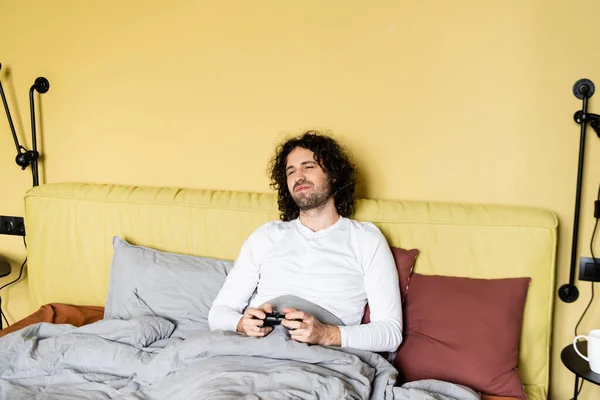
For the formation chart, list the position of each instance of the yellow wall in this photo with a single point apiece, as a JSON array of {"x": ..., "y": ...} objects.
[{"x": 466, "y": 101}]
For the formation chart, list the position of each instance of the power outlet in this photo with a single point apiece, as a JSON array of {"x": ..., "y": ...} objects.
[
  {"x": 12, "y": 225},
  {"x": 588, "y": 270}
]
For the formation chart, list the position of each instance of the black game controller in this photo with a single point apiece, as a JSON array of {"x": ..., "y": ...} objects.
[{"x": 274, "y": 319}]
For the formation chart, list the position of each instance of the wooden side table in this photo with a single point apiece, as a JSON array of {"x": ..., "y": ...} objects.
[
  {"x": 578, "y": 365},
  {"x": 4, "y": 267}
]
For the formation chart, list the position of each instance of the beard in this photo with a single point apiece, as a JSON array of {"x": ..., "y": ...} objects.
[{"x": 317, "y": 198}]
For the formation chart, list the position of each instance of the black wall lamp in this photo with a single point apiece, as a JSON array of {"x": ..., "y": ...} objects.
[
  {"x": 26, "y": 157},
  {"x": 583, "y": 90},
  {"x": 15, "y": 225}
]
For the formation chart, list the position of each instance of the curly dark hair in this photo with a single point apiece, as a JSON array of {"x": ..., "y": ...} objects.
[{"x": 334, "y": 161}]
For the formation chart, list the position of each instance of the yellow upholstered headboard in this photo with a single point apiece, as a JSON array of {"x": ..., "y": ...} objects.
[{"x": 70, "y": 228}]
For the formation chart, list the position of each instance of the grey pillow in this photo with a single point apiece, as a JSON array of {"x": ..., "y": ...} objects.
[{"x": 147, "y": 282}]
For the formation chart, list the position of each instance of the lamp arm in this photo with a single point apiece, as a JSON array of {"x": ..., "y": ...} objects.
[
  {"x": 10, "y": 121},
  {"x": 41, "y": 85},
  {"x": 583, "y": 90},
  {"x": 26, "y": 157}
]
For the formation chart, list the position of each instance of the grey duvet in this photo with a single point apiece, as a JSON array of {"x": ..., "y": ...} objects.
[{"x": 139, "y": 359}]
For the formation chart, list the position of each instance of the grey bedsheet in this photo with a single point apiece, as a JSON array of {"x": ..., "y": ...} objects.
[{"x": 135, "y": 359}]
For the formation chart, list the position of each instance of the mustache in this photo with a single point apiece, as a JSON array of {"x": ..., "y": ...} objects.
[{"x": 302, "y": 182}]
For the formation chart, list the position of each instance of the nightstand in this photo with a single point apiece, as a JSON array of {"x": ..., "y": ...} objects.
[{"x": 578, "y": 365}]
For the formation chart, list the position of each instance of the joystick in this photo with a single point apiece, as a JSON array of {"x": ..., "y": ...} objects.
[{"x": 273, "y": 319}]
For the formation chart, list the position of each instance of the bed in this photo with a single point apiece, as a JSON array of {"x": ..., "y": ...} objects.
[{"x": 120, "y": 279}]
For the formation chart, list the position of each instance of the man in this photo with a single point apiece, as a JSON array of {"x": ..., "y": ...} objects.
[{"x": 315, "y": 253}]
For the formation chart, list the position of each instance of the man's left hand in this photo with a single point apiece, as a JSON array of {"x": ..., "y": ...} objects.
[{"x": 309, "y": 329}]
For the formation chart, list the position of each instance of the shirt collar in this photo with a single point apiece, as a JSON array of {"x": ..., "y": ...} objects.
[{"x": 307, "y": 232}]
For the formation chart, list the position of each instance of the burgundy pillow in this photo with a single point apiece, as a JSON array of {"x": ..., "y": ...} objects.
[
  {"x": 405, "y": 262},
  {"x": 464, "y": 330}
]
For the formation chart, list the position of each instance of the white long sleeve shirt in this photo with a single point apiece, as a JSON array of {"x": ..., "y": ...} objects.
[{"x": 339, "y": 268}]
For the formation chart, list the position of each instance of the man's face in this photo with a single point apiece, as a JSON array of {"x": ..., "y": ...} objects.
[{"x": 306, "y": 180}]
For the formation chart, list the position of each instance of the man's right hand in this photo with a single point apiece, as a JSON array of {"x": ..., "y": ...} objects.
[{"x": 253, "y": 319}]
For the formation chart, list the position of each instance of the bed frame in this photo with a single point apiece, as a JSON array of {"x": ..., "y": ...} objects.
[{"x": 70, "y": 227}]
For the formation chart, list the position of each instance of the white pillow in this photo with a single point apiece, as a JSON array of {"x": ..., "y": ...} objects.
[{"x": 180, "y": 288}]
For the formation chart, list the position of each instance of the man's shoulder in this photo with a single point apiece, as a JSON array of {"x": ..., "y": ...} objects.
[
  {"x": 268, "y": 229},
  {"x": 367, "y": 233},
  {"x": 275, "y": 225},
  {"x": 364, "y": 227}
]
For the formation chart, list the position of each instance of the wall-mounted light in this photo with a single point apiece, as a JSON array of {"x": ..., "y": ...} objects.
[
  {"x": 583, "y": 90},
  {"x": 26, "y": 157},
  {"x": 14, "y": 225}
]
